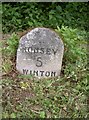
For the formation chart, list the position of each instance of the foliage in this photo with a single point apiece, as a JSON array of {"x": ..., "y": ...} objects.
[
  {"x": 26, "y": 96},
  {"x": 20, "y": 16},
  {"x": 75, "y": 44},
  {"x": 66, "y": 96},
  {"x": 12, "y": 45},
  {"x": 9, "y": 50}
]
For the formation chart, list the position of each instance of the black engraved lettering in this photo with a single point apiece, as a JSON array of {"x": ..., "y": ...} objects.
[
  {"x": 36, "y": 50},
  {"x": 31, "y": 72},
  {"x": 24, "y": 49},
  {"x": 53, "y": 74},
  {"x": 30, "y": 49},
  {"x": 39, "y": 62},
  {"x": 42, "y": 50},
  {"x": 55, "y": 51},
  {"x": 27, "y": 50},
  {"x": 48, "y": 51},
  {"x": 25, "y": 71},
  {"x": 41, "y": 73},
  {"x": 36, "y": 73},
  {"x": 47, "y": 74}
]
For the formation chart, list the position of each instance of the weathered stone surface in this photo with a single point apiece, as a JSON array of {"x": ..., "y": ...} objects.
[{"x": 40, "y": 53}]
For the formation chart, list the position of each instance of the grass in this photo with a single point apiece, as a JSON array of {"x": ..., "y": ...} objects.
[{"x": 64, "y": 97}]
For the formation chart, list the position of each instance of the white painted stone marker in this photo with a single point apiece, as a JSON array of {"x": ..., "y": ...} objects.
[{"x": 40, "y": 53}]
